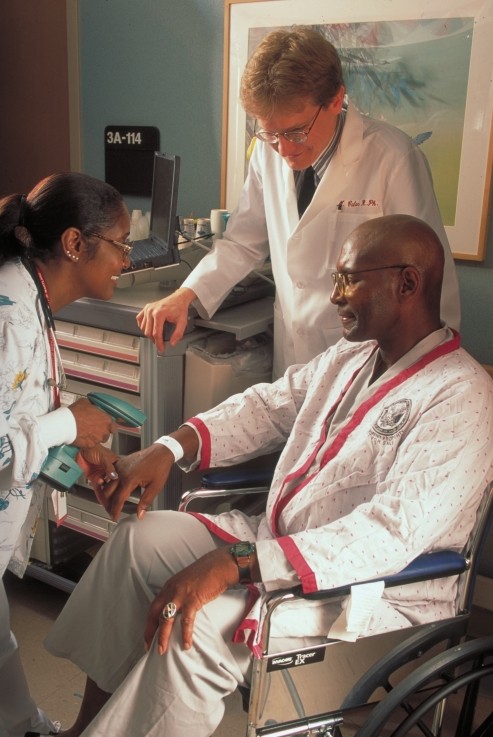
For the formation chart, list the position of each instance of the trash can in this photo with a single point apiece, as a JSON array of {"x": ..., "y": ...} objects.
[{"x": 218, "y": 366}]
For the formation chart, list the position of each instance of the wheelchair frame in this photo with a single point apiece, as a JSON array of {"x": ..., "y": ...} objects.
[{"x": 289, "y": 692}]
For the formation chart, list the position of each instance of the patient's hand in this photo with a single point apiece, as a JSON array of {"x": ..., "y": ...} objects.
[
  {"x": 189, "y": 590},
  {"x": 148, "y": 469}
]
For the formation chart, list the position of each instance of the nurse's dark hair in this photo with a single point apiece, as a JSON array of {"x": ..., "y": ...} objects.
[
  {"x": 31, "y": 225},
  {"x": 288, "y": 66}
]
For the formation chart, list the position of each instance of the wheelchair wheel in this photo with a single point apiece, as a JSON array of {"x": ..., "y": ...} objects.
[
  {"x": 439, "y": 698},
  {"x": 381, "y": 675}
]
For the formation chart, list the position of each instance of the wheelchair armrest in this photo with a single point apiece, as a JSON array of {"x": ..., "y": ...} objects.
[
  {"x": 206, "y": 495},
  {"x": 425, "y": 567},
  {"x": 237, "y": 478},
  {"x": 439, "y": 564},
  {"x": 229, "y": 484},
  {"x": 428, "y": 566}
]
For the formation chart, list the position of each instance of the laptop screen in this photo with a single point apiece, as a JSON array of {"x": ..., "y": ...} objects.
[
  {"x": 164, "y": 197},
  {"x": 159, "y": 248}
]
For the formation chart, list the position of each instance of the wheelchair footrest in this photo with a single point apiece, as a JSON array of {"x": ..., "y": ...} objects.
[{"x": 325, "y": 722}]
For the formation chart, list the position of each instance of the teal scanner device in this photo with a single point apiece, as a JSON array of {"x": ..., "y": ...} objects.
[{"x": 60, "y": 469}]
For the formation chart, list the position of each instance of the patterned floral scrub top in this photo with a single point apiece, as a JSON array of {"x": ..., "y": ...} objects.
[{"x": 25, "y": 397}]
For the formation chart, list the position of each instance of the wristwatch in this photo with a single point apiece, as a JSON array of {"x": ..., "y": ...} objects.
[{"x": 241, "y": 553}]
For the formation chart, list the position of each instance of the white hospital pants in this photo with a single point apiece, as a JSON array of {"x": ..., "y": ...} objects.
[
  {"x": 101, "y": 629},
  {"x": 18, "y": 712}
]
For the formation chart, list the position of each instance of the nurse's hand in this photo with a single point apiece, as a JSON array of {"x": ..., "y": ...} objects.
[
  {"x": 189, "y": 590},
  {"x": 93, "y": 425},
  {"x": 148, "y": 469},
  {"x": 173, "y": 309}
]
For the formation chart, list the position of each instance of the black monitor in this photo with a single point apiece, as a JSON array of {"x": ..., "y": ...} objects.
[{"x": 160, "y": 248}]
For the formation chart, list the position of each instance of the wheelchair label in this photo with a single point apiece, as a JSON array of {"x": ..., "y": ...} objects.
[{"x": 293, "y": 660}]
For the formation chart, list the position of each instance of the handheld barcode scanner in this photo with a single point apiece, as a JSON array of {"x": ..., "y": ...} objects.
[{"x": 60, "y": 469}]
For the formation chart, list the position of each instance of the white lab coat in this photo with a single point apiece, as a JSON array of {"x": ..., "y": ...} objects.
[{"x": 376, "y": 170}]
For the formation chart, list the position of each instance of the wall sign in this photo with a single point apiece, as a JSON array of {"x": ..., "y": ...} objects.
[{"x": 129, "y": 157}]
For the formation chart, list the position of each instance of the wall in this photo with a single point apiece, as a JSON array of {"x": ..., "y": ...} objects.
[
  {"x": 476, "y": 285},
  {"x": 159, "y": 62},
  {"x": 156, "y": 62},
  {"x": 34, "y": 92}
]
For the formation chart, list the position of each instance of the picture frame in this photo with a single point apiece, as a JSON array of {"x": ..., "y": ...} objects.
[{"x": 423, "y": 66}]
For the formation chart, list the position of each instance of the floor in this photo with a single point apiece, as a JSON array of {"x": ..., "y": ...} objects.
[{"x": 57, "y": 685}]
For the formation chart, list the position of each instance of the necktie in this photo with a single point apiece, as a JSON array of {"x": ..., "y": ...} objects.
[{"x": 307, "y": 190}]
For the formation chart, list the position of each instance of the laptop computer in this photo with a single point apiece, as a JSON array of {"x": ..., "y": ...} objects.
[{"x": 159, "y": 248}]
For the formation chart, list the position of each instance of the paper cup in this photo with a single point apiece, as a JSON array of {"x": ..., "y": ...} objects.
[{"x": 217, "y": 222}]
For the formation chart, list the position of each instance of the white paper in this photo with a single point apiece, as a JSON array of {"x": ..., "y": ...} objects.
[
  {"x": 59, "y": 500},
  {"x": 355, "y": 617}
]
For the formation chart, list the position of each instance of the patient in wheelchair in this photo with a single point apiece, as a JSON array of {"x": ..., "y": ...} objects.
[{"x": 386, "y": 449}]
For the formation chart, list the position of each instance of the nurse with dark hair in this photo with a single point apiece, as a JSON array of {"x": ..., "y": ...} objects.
[{"x": 65, "y": 240}]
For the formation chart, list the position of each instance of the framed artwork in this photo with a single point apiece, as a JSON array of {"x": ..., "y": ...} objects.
[{"x": 423, "y": 66}]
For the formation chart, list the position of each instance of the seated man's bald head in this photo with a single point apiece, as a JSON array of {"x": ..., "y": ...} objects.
[
  {"x": 404, "y": 235},
  {"x": 388, "y": 283},
  {"x": 403, "y": 239}
]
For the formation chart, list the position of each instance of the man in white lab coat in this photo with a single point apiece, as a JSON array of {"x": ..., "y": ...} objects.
[
  {"x": 363, "y": 168},
  {"x": 386, "y": 441}
]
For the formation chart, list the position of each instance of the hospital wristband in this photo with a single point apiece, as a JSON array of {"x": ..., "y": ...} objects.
[{"x": 172, "y": 445}]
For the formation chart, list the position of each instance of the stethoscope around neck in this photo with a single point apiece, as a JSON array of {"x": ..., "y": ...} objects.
[
  {"x": 30, "y": 266},
  {"x": 56, "y": 359}
]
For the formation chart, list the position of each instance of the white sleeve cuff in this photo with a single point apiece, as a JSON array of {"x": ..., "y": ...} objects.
[{"x": 57, "y": 427}]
